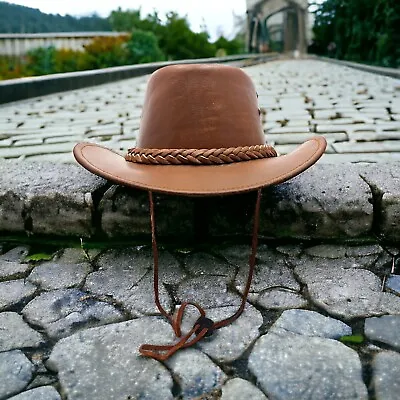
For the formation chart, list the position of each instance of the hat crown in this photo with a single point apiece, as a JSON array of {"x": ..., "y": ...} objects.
[{"x": 200, "y": 107}]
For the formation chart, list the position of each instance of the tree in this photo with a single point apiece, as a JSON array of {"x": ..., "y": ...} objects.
[
  {"x": 143, "y": 47},
  {"x": 234, "y": 46},
  {"x": 358, "y": 30},
  {"x": 180, "y": 42}
]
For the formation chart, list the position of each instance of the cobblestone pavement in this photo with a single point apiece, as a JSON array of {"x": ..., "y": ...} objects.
[
  {"x": 358, "y": 113},
  {"x": 321, "y": 322}
]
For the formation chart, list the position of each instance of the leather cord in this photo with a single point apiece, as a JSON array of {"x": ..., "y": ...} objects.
[{"x": 203, "y": 326}]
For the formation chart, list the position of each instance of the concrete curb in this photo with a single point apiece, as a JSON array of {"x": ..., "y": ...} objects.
[
  {"x": 392, "y": 72},
  {"x": 327, "y": 202},
  {"x": 25, "y": 88}
]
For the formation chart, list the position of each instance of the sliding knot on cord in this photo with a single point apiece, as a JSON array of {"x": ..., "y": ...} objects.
[
  {"x": 203, "y": 327},
  {"x": 205, "y": 323}
]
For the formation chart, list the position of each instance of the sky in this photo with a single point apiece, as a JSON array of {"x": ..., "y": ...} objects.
[{"x": 217, "y": 15}]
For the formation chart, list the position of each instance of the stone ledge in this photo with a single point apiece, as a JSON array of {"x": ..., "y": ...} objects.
[
  {"x": 325, "y": 202},
  {"x": 25, "y": 88},
  {"x": 392, "y": 72}
]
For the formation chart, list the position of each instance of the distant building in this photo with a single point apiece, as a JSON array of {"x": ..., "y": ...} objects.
[
  {"x": 18, "y": 44},
  {"x": 277, "y": 25}
]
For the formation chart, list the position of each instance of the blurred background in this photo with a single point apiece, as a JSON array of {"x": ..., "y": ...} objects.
[{"x": 39, "y": 37}]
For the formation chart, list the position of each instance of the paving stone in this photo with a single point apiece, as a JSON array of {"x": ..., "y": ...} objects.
[
  {"x": 209, "y": 293},
  {"x": 103, "y": 363},
  {"x": 289, "y": 130},
  {"x": 13, "y": 270},
  {"x": 196, "y": 373},
  {"x": 30, "y": 150},
  {"x": 137, "y": 298},
  {"x": 42, "y": 393},
  {"x": 384, "y": 181},
  {"x": 15, "y": 333},
  {"x": 370, "y": 262},
  {"x": 302, "y": 367},
  {"x": 290, "y": 249},
  {"x": 15, "y": 371},
  {"x": 270, "y": 271},
  {"x": 230, "y": 342},
  {"x": 280, "y": 299},
  {"x": 298, "y": 138},
  {"x": 386, "y": 377},
  {"x": 367, "y": 147},
  {"x": 16, "y": 254},
  {"x": 51, "y": 276},
  {"x": 127, "y": 276},
  {"x": 384, "y": 329},
  {"x": 206, "y": 264},
  {"x": 306, "y": 207},
  {"x": 347, "y": 292},
  {"x": 15, "y": 292},
  {"x": 340, "y": 251},
  {"x": 309, "y": 323},
  {"x": 28, "y": 142},
  {"x": 66, "y": 158},
  {"x": 239, "y": 389},
  {"x": 63, "y": 312},
  {"x": 61, "y": 190},
  {"x": 393, "y": 283},
  {"x": 76, "y": 255},
  {"x": 237, "y": 255},
  {"x": 365, "y": 158}
]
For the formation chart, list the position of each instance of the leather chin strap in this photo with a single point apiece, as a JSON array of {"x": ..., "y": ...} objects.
[{"x": 204, "y": 326}]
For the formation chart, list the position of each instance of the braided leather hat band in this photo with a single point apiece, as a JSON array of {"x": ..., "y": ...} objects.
[{"x": 199, "y": 156}]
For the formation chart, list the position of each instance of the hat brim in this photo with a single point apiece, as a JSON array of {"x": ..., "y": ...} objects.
[{"x": 202, "y": 180}]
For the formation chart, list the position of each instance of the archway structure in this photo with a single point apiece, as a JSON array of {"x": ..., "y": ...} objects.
[{"x": 277, "y": 25}]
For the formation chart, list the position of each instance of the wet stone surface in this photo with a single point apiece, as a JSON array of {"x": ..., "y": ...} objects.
[{"x": 74, "y": 323}]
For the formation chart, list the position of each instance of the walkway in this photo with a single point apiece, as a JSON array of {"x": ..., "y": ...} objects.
[
  {"x": 323, "y": 316},
  {"x": 358, "y": 113}
]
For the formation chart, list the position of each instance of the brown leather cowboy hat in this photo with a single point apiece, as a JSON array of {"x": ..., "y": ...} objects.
[
  {"x": 199, "y": 124},
  {"x": 200, "y": 134}
]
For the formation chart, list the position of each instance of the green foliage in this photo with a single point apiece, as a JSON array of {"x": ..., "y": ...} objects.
[
  {"x": 231, "y": 47},
  {"x": 42, "y": 61},
  {"x": 151, "y": 40},
  {"x": 178, "y": 41},
  {"x": 352, "y": 339},
  {"x": 143, "y": 47},
  {"x": 39, "y": 257},
  {"x": 359, "y": 30},
  {"x": 103, "y": 52},
  {"x": 12, "y": 68}
]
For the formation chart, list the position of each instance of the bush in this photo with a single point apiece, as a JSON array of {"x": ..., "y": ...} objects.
[
  {"x": 41, "y": 61},
  {"x": 143, "y": 47},
  {"x": 106, "y": 51}
]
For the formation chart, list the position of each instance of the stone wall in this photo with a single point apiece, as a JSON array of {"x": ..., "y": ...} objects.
[{"x": 327, "y": 202}]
